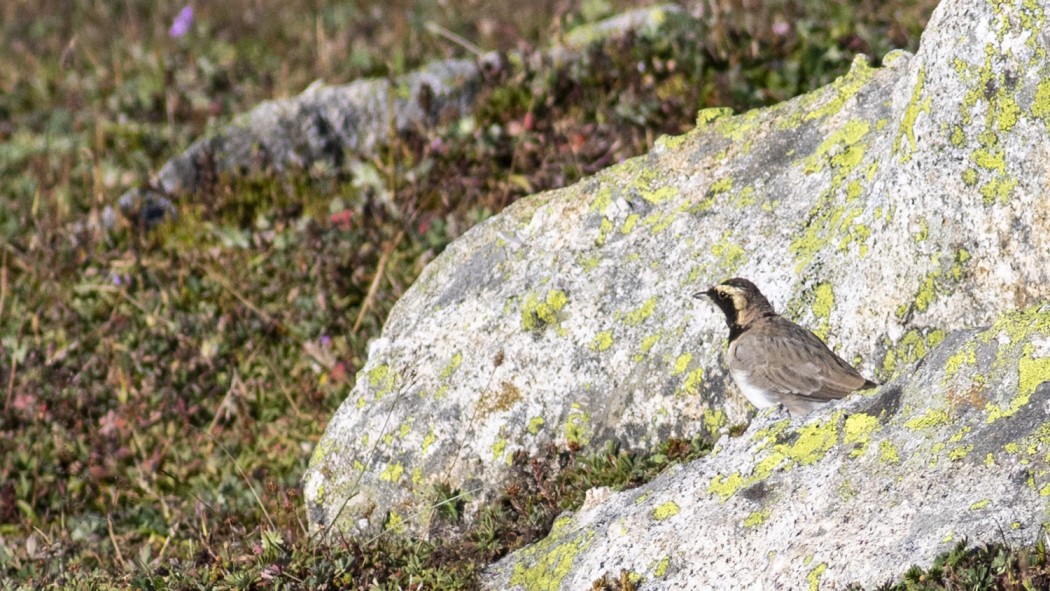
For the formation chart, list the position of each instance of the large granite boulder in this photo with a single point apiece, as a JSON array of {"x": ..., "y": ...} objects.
[
  {"x": 882, "y": 211},
  {"x": 958, "y": 449}
]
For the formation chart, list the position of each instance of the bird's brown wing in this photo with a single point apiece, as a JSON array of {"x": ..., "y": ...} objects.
[{"x": 783, "y": 357}]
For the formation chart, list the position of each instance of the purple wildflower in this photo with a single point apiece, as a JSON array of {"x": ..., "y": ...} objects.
[
  {"x": 325, "y": 341},
  {"x": 182, "y": 22}
]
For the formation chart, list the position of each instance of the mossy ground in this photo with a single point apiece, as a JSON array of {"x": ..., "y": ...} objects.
[{"x": 162, "y": 392}]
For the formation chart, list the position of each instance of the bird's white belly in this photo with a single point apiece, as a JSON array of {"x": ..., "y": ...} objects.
[{"x": 757, "y": 396}]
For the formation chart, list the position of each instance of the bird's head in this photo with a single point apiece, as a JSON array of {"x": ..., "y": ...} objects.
[{"x": 739, "y": 299}]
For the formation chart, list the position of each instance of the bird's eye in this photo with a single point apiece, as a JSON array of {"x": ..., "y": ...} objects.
[{"x": 721, "y": 295}]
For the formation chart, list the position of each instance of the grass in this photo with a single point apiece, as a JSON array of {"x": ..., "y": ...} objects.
[{"x": 162, "y": 392}]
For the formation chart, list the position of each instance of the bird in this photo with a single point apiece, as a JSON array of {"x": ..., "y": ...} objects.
[{"x": 775, "y": 361}]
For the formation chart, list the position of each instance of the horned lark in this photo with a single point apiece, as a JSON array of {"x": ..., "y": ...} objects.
[{"x": 775, "y": 361}]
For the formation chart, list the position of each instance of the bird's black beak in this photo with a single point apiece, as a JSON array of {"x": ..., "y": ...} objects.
[{"x": 704, "y": 294}]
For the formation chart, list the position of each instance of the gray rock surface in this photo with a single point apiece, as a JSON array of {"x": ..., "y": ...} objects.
[
  {"x": 957, "y": 449},
  {"x": 882, "y": 211},
  {"x": 326, "y": 125}
]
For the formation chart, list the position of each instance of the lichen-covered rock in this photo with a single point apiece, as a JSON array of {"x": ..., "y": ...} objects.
[
  {"x": 958, "y": 449},
  {"x": 882, "y": 211}
]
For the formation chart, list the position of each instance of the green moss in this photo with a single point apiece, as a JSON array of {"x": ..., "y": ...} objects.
[
  {"x": 980, "y": 504},
  {"x": 911, "y": 114},
  {"x": 666, "y": 511},
  {"x": 602, "y": 341}
]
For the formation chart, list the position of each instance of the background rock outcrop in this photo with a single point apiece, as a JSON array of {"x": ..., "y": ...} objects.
[{"x": 882, "y": 211}]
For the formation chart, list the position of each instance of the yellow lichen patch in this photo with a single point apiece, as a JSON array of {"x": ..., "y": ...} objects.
[
  {"x": 452, "y": 366},
  {"x": 602, "y": 341},
  {"x": 578, "y": 426},
  {"x": 960, "y": 452},
  {"x": 429, "y": 440},
  {"x": 648, "y": 343},
  {"x": 706, "y": 116},
  {"x": 1041, "y": 104},
  {"x": 551, "y": 561},
  {"x": 641, "y": 314},
  {"x": 911, "y": 114},
  {"x": 630, "y": 223},
  {"x": 815, "y": 575},
  {"x": 693, "y": 381},
  {"x": 681, "y": 364},
  {"x": 725, "y": 486},
  {"x": 537, "y": 314},
  {"x": 602, "y": 200},
  {"x": 814, "y": 441},
  {"x": 661, "y": 567},
  {"x": 603, "y": 232},
  {"x": 535, "y": 424},
  {"x": 1031, "y": 372},
  {"x": 714, "y": 420},
  {"x": 913, "y": 346},
  {"x": 845, "y": 87},
  {"x": 823, "y": 303},
  {"x": 381, "y": 379},
  {"x": 392, "y": 472},
  {"x": 858, "y": 430},
  {"x": 394, "y": 522},
  {"x": 730, "y": 255},
  {"x": 498, "y": 448},
  {"x": 966, "y": 355},
  {"x": 757, "y": 518},
  {"x": 980, "y": 504},
  {"x": 666, "y": 511},
  {"x": 933, "y": 417}
]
